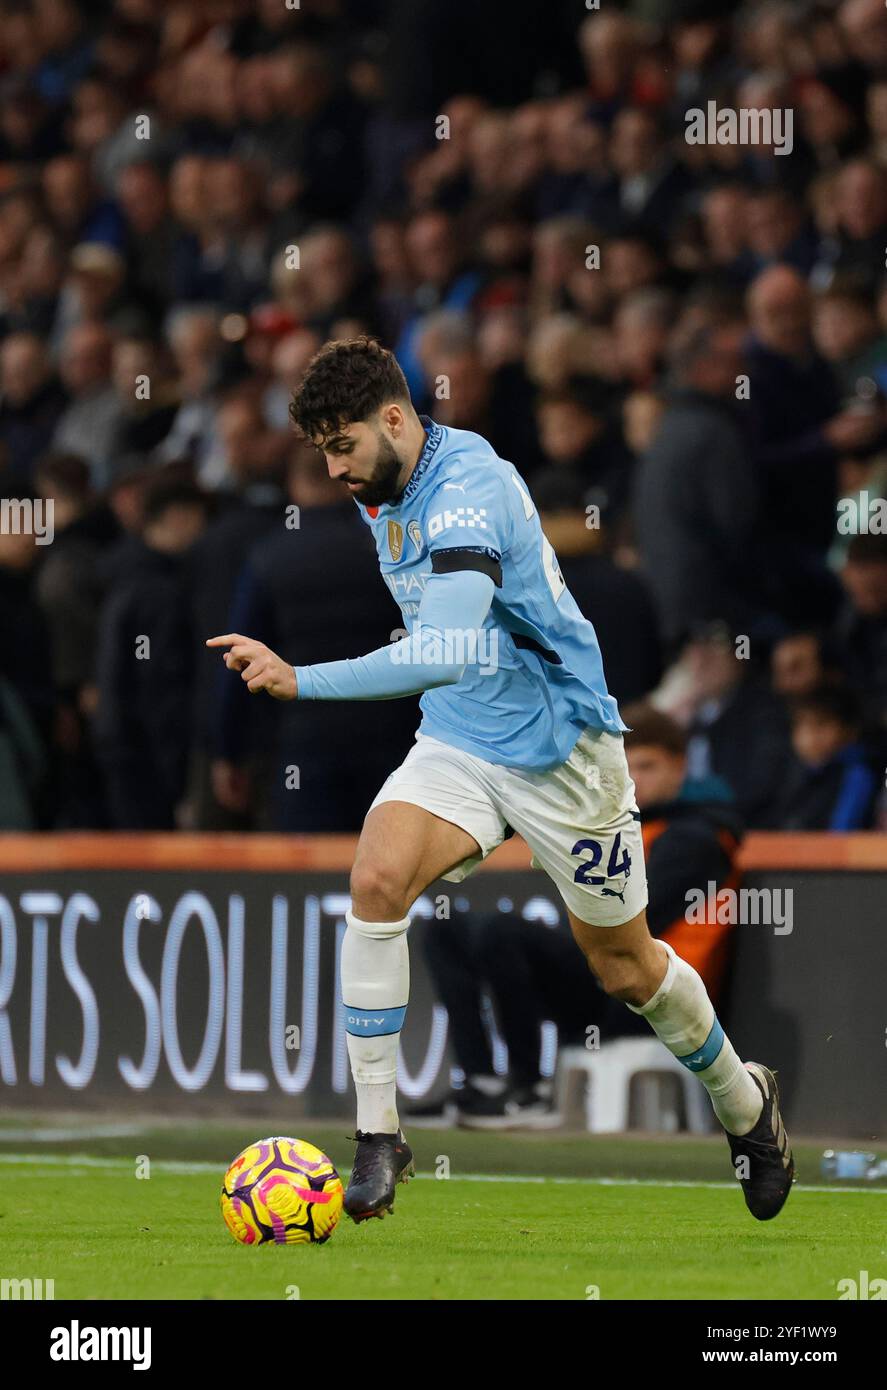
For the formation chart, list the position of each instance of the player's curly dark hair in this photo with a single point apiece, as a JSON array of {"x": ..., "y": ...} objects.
[{"x": 346, "y": 381}]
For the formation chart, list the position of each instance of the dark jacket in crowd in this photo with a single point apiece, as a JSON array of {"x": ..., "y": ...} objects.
[
  {"x": 837, "y": 795},
  {"x": 313, "y": 595},
  {"x": 606, "y": 469},
  {"x": 694, "y": 505},
  {"x": 789, "y": 402},
  {"x": 618, "y": 604},
  {"x": 744, "y": 739},
  {"x": 26, "y": 432},
  {"x": 861, "y": 647},
  {"x": 142, "y": 728},
  {"x": 23, "y": 651},
  {"x": 69, "y": 592},
  {"x": 214, "y": 566}
]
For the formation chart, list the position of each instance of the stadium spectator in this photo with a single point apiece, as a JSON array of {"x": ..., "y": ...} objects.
[
  {"x": 87, "y": 426},
  {"x": 391, "y": 275},
  {"x": 467, "y": 395},
  {"x": 252, "y": 514},
  {"x": 801, "y": 429},
  {"x": 847, "y": 334},
  {"x": 68, "y": 584},
  {"x": 23, "y": 662},
  {"x": 737, "y": 728},
  {"x": 580, "y": 434},
  {"x": 616, "y": 600},
  {"x": 31, "y": 404},
  {"x": 67, "y": 48},
  {"x": 35, "y": 291},
  {"x": 863, "y": 24},
  {"x": 196, "y": 346},
  {"x": 145, "y": 665},
  {"x": 696, "y": 499},
  {"x": 831, "y": 784},
  {"x": 332, "y": 275},
  {"x": 69, "y": 593},
  {"x": 147, "y": 404},
  {"x": 151, "y": 233},
  {"x": 441, "y": 282},
  {"x": 861, "y": 218},
  {"x": 289, "y": 357},
  {"x": 861, "y": 628},
  {"x": 778, "y": 231},
  {"x": 652, "y": 188},
  {"x": 641, "y": 325},
  {"x": 75, "y": 207},
  {"x": 799, "y": 664},
  {"x": 288, "y": 766},
  {"x": 725, "y": 211}
]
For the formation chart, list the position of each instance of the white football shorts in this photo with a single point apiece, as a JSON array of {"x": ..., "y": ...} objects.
[{"x": 580, "y": 820}]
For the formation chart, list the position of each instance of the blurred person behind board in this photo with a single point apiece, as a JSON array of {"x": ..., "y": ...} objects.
[
  {"x": 25, "y": 694},
  {"x": 308, "y": 589},
  {"x": 860, "y": 631},
  {"x": 145, "y": 661},
  {"x": 801, "y": 429},
  {"x": 249, "y": 516},
  {"x": 831, "y": 784},
  {"x": 737, "y": 727},
  {"x": 695, "y": 497},
  {"x": 32, "y": 401},
  {"x": 69, "y": 592},
  {"x": 614, "y": 599}
]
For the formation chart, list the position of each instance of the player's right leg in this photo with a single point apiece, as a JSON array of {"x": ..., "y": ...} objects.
[
  {"x": 656, "y": 983},
  {"x": 402, "y": 849},
  {"x": 582, "y": 824}
]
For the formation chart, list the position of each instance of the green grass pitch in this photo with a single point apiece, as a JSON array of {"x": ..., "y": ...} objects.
[{"x": 612, "y": 1218}]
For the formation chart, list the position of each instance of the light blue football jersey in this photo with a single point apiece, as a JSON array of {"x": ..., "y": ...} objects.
[{"x": 536, "y": 680}]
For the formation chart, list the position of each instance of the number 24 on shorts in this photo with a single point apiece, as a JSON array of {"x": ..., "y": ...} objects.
[{"x": 615, "y": 865}]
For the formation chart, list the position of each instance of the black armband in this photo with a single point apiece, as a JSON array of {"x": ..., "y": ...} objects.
[{"x": 468, "y": 557}]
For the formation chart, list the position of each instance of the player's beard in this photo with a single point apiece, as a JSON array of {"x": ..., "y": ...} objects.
[{"x": 383, "y": 483}]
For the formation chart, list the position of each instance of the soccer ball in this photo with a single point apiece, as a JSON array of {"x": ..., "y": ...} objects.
[{"x": 281, "y": 1190}]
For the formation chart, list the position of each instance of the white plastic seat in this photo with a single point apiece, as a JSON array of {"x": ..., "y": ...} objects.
[{"x": 608, "y": 1073}]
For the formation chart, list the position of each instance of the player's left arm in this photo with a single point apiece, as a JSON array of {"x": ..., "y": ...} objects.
[
  {"x": 452, "y": 611},
  {"x": 454, "y": 605},
  {"x": 468, "y": 528}
]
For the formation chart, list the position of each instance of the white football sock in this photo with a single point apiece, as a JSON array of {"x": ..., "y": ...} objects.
[
  {"x": 375, "y": 972},
  {"x": 683, "y": 1018}
]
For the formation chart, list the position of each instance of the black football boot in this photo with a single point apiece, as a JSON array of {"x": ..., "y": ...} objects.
[
  {"x": 381, "y": 1161},
  {"x": 768, "y": 1162}
]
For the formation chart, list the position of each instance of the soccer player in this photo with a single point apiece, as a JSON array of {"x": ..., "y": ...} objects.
[{"x": 518, "y": 733}]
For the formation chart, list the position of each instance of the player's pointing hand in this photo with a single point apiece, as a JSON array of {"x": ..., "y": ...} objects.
[{"x": 259, "y": 667}]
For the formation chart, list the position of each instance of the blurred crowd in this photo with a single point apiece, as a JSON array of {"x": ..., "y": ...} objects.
[{"x": 683, "y": 348}]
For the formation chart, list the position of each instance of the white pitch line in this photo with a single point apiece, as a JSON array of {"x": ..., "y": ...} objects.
[{"x": 180, "y": 1166}]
